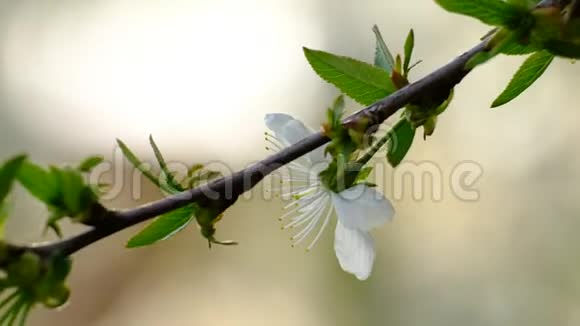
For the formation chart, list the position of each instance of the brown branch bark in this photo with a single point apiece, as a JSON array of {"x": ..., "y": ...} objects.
[{"x": 104, "y": 223}]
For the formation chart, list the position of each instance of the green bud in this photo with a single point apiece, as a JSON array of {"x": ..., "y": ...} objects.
[
  {"x": 26, "y": 270},
  {"x": 399, "y": 80},
  {"x": 548, "y": 25},
  {"x": 57, "y": 297},
  {"x": 60, "y": 268},
  {"x": 207, "y": 217},
  {"x": 429, "y": 126}
]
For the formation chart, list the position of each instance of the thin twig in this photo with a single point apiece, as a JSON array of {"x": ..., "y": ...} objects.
[{"x": 109, "y": 222}]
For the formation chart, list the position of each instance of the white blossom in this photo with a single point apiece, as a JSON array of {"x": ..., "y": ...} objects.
[{"x": 358, "y": 209}]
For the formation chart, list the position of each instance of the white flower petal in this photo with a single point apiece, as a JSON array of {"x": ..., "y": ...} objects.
[
  {"x": 291, "y": 131},
  {"x": 275, "y": 121},
  {"x": 355, "y": 251},
  {"x": 362, "y": 207},
  {"x": 286, "y": 128}
]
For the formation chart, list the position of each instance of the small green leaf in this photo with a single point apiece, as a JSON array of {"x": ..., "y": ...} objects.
[
  {"x": 383, "y": 57},
  {"x": 72, "y": 186},
  {"x": 39, "y": 182},
  {"x": 401, "y": 139},
  {"x": 491, "y": 12},
  {"x": 163, "y": 227},
  {"x": 8, "y": 173},
  {"x": 169, "y": 178},
  {"x": 90, "y": 163},
  {"x": 398, "y": 63},
  {"x": 409, "y": 46},
  {"x": 361, "y": 81},
  {"x": 335, "y": 112},
  {"x": 132, "y": 158},
  {"x": 526, "y": 75}
]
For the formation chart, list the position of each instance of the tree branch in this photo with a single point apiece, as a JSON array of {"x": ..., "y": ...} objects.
[{"x": 104, "y": 222}]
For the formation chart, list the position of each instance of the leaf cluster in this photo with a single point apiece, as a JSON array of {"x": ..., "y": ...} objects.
[
  {"x": 368, "y": 83},
  {"x": 540, "y": 29},
  {"x": 206, "y": 214}
]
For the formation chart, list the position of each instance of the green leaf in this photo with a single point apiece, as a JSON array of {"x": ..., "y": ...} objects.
[
  {"x": 563, "y": 49},
  {"x": 401, "y": 139},
  {"x": 39, "y": 182},
  {"x": 164, "y": 227},
  {"x": 8, "y": 173},
  {"x": 361, "y": 81},
  {"x": 169, "y": 178},
  {"x": 383, "y": 57},
  {"x": 526, "y": 75},
  {"x": 409, "y": 46},
  {"x": 491, "y": 12},
  {"x": 90, "y": 163},
  {"x": 515, "y": 48},
  {"x": 132, "y": 158}
]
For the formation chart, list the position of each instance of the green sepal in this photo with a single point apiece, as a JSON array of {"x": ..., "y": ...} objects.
[{"x": 341, "y": 139}]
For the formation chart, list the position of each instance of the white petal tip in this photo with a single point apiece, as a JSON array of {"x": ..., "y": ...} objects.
[
  {"x": 354, "y": 250},
  {"x": 362, "y": 277}
]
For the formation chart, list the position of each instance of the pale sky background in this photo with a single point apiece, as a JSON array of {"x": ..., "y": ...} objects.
[{"x": 200, "y": 75}]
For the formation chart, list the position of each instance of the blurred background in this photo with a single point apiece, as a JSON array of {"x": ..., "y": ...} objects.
[{"x": 200, "y": 75}]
